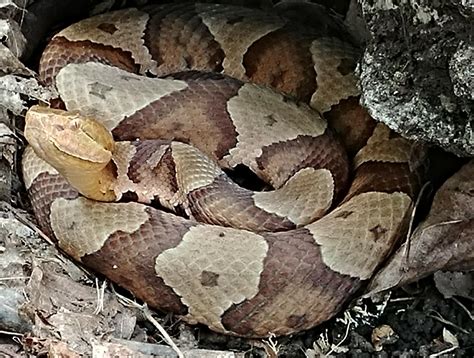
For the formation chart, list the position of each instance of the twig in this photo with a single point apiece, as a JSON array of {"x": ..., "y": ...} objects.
[
  {"x": 402, "y": 299},
  {"x": 9, "y": 333},
  {"x": 100, "y": 291},
  {"x": 14, "y": 278},
  {"x": 406, "y": 254},
  {"x": 148, "y": 315},
  {"x": 270, "y": 346},
  {"x": 443, "y": 223},
  {"x": 345, "y": 335},
  {"x": 450, "y": 349},
  {"x": 146, "y": 311},
  {"x": 441, "y": 319},
  {"x": 404, "y": 29},
  {"x": 471, "y": 316}
]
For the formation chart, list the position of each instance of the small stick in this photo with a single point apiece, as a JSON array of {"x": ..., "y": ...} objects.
[
  {"x": 9, "y": 333},
  {"x": 148, "y": 315},
  {"x": 464, "y": 308},
  {"x": 441, "y": 319},
  {"x": 412, "y": 220}
]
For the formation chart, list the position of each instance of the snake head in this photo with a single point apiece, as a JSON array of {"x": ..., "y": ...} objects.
[
  {"x": 68, "y": 139},
  {"x": 78, "y": 147}
]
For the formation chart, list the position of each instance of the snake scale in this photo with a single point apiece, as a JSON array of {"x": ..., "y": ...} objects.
[{"x": 242, "y": 262}]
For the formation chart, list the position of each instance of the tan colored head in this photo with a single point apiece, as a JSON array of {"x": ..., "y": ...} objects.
[{"x": 79, "y": 147}]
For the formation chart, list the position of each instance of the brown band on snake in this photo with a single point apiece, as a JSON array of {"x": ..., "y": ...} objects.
[
  {"x": 50, "y": 189},
  {"x": 150, "y": 173},
  {"x": 149, "y": 154},
  {"x": 352, "y": 123},
  {"x": 210, "y": 204},
  {"x": 293, "y": 73},
  {"x": 180, "y": 24},
  {"x": 321, "y": 152},
  {"x": 152, "y": 169},
  {"x": 204, "y": 101},
  {"x": 385, "y": 177},
  {"x": 55, "y": 57},
  {"x": 44, "y": 185}
]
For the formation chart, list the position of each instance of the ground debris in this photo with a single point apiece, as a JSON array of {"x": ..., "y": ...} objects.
[{"x": 442, "y": 242}]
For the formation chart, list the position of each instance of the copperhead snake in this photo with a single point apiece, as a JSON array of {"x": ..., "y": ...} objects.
[{"x": 296, "y": 254}]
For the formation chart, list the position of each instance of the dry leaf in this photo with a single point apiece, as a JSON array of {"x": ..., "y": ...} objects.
[
  {"x": 65, "y": 308},
  {"x": 450, "y": 338},
  {"x": 381, "y": 335},
  {"x": 455, "y": 284},
  {"x": 444, "y": 241}
]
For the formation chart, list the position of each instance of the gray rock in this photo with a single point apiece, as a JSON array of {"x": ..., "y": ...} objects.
[{"x": 417, "y": 72}]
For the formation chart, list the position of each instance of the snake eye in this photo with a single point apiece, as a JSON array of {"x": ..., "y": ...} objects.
[{"x": 97, "y": 133}]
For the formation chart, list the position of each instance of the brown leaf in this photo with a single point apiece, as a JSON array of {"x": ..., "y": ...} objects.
[
  {"x": 382, "y": 335},
  {"x": 444, "y": 241},
  {"x": 65, "y": 308}
]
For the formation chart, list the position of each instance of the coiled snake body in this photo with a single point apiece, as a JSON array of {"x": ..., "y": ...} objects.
[{"x": 294, "y": 255}]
